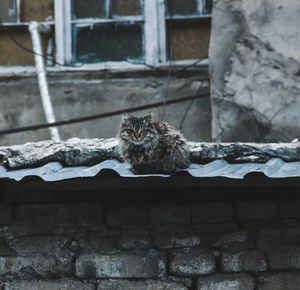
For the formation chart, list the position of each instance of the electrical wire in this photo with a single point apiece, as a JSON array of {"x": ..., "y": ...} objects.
[
  {"x": 188, "y": 108},
  {"x": 100, "y": 116}
]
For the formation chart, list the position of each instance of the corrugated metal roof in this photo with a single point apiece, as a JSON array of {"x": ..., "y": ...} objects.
[{"x": 55, "y": 171}]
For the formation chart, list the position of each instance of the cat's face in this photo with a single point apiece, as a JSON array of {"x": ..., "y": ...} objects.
[{"x": 138, "y": 131}]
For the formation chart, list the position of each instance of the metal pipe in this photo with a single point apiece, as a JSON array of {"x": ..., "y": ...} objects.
[{"x": 34, "y": 28}]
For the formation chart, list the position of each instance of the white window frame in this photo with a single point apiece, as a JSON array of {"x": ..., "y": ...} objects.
[{"x": 154, "y": 36}]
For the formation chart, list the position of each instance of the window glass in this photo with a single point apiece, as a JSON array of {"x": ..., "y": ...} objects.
[
  {"x": 125, "y": 7},
  {"x": 181, "y": 7},
  {"x": 88, "y": 9},
  {"x": 108, "y": 42},
  {"x": 188, "y": 39},
  {"x": 8, "y": 10}
]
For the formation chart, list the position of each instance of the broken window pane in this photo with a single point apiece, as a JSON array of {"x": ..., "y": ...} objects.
[
  {"x": 8, "y": 11},
  {"x": 188, "y": 39},
  {"x": 181, "y": 7},
  {"x": 88, "y": 8},
  {"x": 125, "y": 7},
  {"x": 108, "y": 42},
  {"x": 208, "y": 6}
]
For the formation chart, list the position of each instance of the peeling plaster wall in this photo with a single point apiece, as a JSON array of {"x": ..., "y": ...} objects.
[
  {"x": 83, "y": 94},
  {"x": 255, "y": 69}
]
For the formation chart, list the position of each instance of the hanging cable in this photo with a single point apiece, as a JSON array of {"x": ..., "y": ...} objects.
[{"x": 103, "y": 115}]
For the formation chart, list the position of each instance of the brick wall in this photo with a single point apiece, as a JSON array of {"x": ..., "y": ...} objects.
[{"x": 240, "y": 245}]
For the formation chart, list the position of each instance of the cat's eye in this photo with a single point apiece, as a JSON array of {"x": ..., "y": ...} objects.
[{"x": 128, "y": 131}]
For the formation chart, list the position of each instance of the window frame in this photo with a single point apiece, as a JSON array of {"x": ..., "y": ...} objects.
[{"x": 155, "y": 36}]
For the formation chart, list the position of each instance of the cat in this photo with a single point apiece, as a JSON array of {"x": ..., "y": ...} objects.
[{"x": 152, "y": 146}]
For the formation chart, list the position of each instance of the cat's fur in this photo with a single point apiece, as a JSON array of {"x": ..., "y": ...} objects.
[{"x": 152, "y": 146}]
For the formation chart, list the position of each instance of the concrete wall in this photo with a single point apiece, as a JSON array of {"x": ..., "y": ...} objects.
[
  {"x": 83, "y": 94},
  {"x": 243, "y": 245},
  {"x": 255, "y": 65}
]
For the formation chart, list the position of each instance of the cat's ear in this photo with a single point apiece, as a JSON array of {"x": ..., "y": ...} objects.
[
  {"x": 125, "y": 118},
  {"x": 148, "y": 118}
]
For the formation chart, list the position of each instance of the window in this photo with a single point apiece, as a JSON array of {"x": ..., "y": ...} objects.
[
  {"x": 187, "y": 27},
  {"x": 130, "y": 32},
  {"x": 16, "y": 16},
  {"x": 114, "y": 32},
  {"x": 108, "y": 33}
]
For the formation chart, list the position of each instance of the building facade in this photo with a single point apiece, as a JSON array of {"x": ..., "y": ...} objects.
[{"x": 103, "y": 56}]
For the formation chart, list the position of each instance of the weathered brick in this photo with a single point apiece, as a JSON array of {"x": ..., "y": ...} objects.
[
  {"x": 190, "y": 262},
  {"x": 49, "y": 285},
  {"x": 175, "y": 237},
  {"x": 268, "y": 239},
  {"x": 4, "y": 247},
  {"x": 121, "y": 265},
  {"x": 279, "y": 281},
  {"x": 39, "y": 244},
  {"x": 169, "y": 241},
  {"x": 163, "y": 214},
  {"x": 237, "y": 241},
  {"x": 186, "y": 281},
  {"x": 140, "y": 285},
  {"x": 6, "y": 214},
  {"x": 256, "y": 210},
  {"x": 127, "y": 216},
  {"x": 258, "y": 225},
  {"x": 134, "y": 238},
  {"x": 212, "y": 233},
  {"x": 104, "y": 245},
  {"x": 30, "y": 267},
  {"x": 285, "y": 258},
  {"x": 212, "y": 212},
  {"x": 59, "y": 214},
  {"x": 134, "y": 242},
  {"x": 237, "y": 237},
  {"x": 226, "y": 282},
  {"x": 290, "y": 209},
  {"x": 244, "y": 261}
]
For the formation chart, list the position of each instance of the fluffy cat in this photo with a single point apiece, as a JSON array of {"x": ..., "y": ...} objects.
[{"x": 152, "y": 146}]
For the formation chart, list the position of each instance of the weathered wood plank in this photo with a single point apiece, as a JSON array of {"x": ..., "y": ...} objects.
[
  {"x": 76, "y": 152},
  {"x": 244, "y": 152}
]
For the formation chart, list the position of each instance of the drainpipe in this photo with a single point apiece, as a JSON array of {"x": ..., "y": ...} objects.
[{"x": 34, "y": 29}]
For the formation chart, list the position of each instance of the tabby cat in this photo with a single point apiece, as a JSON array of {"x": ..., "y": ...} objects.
[{"x": 152, "y": 146}]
